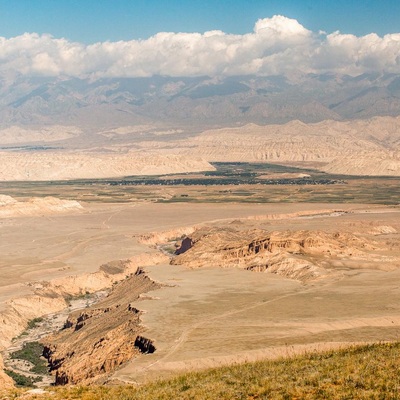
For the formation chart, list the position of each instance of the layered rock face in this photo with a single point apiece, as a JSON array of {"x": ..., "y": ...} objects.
[
  {"x": 302, "y": 255},
  {"x": 50, "y": 297},
  {"x": 100, "y": 338}
]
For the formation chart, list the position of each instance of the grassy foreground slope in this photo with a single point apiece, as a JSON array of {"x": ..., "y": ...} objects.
[{"x": 360, "y": 372}]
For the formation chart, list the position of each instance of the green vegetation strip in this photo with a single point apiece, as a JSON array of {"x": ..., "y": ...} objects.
[
  {"x": 365, "y": 372},
  {"x": 221, "y": 186},
  {"x": 35, "y": 322},
  {"x": 22, "y": 380},
  {"x": 32, "y": 352}
]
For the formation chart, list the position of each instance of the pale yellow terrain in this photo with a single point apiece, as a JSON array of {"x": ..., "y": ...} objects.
[
  {"x": 364, "y": 147},
  {"x": 358, "y": 147},
  {"x": 37, "y": 206},
  {"x": 208, "y": 315},
  {"x": 256, "y": 280},
  {"x": 383, "y": 164},
  {"x": 5, "y": 380},
  {"x": 43, "y": 166},
  {"x": 223, "y": 313},
  {"x": 69, "y": 248}
]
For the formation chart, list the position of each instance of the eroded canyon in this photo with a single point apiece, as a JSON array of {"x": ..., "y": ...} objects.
[
  {"x": 160, "y": 250},
  {"x": 247, "y": 281}
]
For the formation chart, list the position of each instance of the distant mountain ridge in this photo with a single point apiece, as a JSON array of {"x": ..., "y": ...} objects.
[
  {"x": 340, "y": 124},
  {"x": 203, "y": 101}
]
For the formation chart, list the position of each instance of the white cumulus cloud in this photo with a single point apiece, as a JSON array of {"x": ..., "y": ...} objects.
[{"x": 277, "y": 45}]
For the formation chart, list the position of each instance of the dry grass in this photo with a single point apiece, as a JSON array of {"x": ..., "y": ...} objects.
[{"x": 362, "y": 372}]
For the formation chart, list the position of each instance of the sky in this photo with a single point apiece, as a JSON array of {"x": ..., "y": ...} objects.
[
  {"x": 90, "y": 21},
  {"x": 198, "y": 37}
]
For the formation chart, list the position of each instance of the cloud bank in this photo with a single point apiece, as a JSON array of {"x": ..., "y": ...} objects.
[{"x": 277, "y": 45}]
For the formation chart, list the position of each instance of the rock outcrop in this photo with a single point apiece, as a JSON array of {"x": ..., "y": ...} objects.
[
  {"x": 108, "y": 274},
  {"x": 154, "y": 238},
  {"x": 300, "y": 255},
  {"x": 98, "y": 339},
  {"x": 51, "y": 296}
]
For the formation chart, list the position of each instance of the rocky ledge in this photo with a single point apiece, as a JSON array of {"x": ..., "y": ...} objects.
[
  {"x": 302, "y": 255},
  {"x": 98, "y": 339}
]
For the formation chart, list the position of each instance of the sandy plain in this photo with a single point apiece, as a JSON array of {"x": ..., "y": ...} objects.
[
  {"x": 212, "y": 316},
  {"x": 34, "y": 248}
]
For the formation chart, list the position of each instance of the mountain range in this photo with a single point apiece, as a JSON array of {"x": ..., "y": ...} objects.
[{"x": 195, "y": 103}]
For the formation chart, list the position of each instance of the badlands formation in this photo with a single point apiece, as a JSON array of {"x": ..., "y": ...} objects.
[
  {"x": 248, "y": 281},
  {"x": 43, "y": 166},
  {"x": 183, "y": 282},
  {"x": 369, "y": 147},
  {"x": 357, "y": 147},
  {"x": 300, "y": 255}
]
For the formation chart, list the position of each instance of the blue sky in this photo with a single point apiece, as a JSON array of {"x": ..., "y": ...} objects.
[{"x": 90, "y": 21}]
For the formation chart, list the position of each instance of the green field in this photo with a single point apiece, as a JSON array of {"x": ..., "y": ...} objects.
[{"x": 231, "y": 182}]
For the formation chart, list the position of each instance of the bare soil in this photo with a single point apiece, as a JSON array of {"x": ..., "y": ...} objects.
[{"x": 212, "y": 316}]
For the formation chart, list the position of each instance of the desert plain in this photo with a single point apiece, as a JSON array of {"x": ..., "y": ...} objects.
[
  {"x": 196, "y": 208},
  {"x": 128, "y": 282}
]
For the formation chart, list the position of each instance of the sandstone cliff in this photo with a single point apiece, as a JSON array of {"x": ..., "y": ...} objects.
[
  {"x": 300, "y": 255},
  {"x": 100, "y": 338},
  {"x": 50, "y": 297}
]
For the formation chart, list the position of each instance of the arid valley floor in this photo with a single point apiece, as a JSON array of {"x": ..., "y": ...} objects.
[
  {"x": 267, "y": 277},
  {"x": 199, "y": 200}
]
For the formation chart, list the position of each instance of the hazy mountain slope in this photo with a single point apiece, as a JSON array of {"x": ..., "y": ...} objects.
[
  {"x": 334, "y": 123},
  {"x": 201, "y": 100}
]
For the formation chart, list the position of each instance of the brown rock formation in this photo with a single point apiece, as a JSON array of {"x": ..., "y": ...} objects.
[
  {"x": 301, "y": 255},
  {"x": 97, "y": 340}
]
